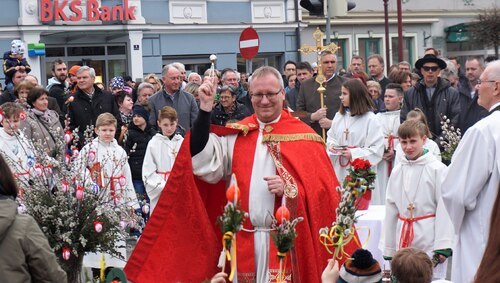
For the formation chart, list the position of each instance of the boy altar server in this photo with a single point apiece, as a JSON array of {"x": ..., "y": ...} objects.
[
  {"x": 415, "y": 213},
  {"x": 389, "y": 122},
  {"x": 109, "y": 169}
]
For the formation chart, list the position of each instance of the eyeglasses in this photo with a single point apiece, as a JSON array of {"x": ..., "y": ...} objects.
[
  {"x": 481, "y": 81},
  {"x": 225, "y": 97},
  {"x": 430, "y": 69},
  {"x": 269, "y": 96}
]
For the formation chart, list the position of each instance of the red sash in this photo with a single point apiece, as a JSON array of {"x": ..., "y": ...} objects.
[
  {"x": 407, "y": 233},
  {"x": 165, "y": 174},
  {"x": 390, "y": 147}
]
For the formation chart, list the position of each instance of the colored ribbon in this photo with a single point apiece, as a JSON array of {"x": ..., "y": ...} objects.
[
  {"x": 407, "y": 233},
  {"x": 336, "y": 238},
  {"x": 113, "y": 188},
  {"x": 230, "y": 236},
  {"x": 165, "y": 174}
]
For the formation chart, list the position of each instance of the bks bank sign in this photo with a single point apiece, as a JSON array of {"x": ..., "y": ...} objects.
[{"x": 71, "y": 10}]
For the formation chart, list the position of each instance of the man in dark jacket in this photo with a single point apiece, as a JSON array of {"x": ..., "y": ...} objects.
[
  {"x": 89, "y": 102},
  {"x": 433, "y": 95},
  {"x": 57, "y": 85}
]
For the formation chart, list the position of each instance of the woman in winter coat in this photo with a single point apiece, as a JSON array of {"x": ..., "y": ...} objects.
[
  {"x": 25, "y": 254},
  {"x": 42, "y": 124}
]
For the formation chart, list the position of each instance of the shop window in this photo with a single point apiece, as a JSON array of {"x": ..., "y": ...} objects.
[
  {"x": 54, "y": 52},
  {"x": 116, "y": 50},
  {"x": 86, "y": 50},
  {"x": 259, "y": 61},
  {"x": 368, "y": 47},
  {"x": 407, "y": 49}
]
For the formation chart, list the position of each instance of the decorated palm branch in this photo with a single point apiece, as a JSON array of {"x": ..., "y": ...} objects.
[
  {"x": 284, "y": 235},
  {"x": 359, "y": 180},
  {"x": 231, "y": 222}
]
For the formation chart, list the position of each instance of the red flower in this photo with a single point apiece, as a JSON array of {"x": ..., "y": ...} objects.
[
  {"x": 358, "y": 164},
  {"x": 348, "y": 178},
  {"x": 367, "y": 165}
]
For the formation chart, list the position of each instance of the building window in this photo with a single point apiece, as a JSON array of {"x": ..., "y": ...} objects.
[
  {"x": 269, "y": 59},
  {"x": 368, "y": 47},
  {"x": 407, "y": 49}
]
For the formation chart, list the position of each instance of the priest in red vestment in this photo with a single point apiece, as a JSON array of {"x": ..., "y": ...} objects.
[{"x": 277, "y": 159}]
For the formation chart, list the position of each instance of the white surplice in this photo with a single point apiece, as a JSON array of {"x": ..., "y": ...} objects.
[
  {"x": 469, "y": 192},
  {"x": 215, "y": 162},
  {"x": 389, "y": 121},
  {"x": 417, "y": 182},
  {"x": 113, "y": 159},
  {"x": 429, "y": 144},
  {"x": 366, "y": 139},
  {"x": 158, "y": 161}
]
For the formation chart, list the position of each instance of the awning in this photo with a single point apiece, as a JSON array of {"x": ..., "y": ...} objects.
[{"x": 458, "y": 33}]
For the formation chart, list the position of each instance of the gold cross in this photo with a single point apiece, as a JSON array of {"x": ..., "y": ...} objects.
[
  {"x": 411, "y": 208},
  {"x": 319, "y": 48},
  {"x": 346, "y": 132}
]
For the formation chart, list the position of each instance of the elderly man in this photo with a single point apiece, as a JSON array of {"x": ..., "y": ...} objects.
[
  {"x": 144, "y": 91},
  {"x": 308, "y": 102},
  {"x": 89, "y": 102},
  {"x": 194, "y": 77},
  {"x": 171, "y": 95},
  {"x": 469, "y": 198},
  {"x": 230, "y": 77},
  {"x": 433, "y": 95},
  {"x": 265, "y": 151}
]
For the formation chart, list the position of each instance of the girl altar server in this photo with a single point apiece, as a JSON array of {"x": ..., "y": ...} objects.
[
  {"x": 355, "y": 131},
  {"x": 160, "y": 155}
]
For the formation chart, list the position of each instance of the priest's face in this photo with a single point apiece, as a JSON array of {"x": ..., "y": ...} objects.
[
  {"x": 267, "y": 96},
  {"x": 488, "y": 89},
  {"x": 413, "y": 147}
]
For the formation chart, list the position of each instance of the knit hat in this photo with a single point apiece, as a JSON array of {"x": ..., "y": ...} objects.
[
  {"x": 117, "y": 83},
  {"x": 72, "y": 71},
  {"x": 17, "y": 47},
  {"x": 140, "y": 111},
  {"x": 361, "y": 267}
]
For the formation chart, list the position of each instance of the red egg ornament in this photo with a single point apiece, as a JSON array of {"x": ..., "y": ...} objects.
[
  {"x": 98, "y": 226},
  {"x": 232, "y": 192},
  {"x": 66, "y": 253},
  {"x": 282, "y": 214}
]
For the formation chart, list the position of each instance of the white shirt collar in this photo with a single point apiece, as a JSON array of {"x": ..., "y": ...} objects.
[{"x": 494, "y": 106}]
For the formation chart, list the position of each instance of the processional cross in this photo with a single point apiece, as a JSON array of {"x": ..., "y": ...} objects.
[{"x": 320, "y": 78}]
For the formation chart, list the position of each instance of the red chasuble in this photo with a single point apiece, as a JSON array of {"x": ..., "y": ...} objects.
[{"x": 181, "y": 242}]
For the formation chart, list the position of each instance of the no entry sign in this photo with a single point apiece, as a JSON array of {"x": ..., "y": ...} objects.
[{"x": 249, "y": 43}]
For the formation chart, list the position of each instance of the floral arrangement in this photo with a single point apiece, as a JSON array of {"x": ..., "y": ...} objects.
[
  {"x": 75, "y": 213},
  {"x": 231, "y": 222},
  {"x": 360, "y": 171},
  {"x": 359, "y": 180},
  {"x": 284, "y": 235},
  {"x": 449, "y": 139}
]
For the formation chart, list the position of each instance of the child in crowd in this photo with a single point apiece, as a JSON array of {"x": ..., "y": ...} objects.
[
  {"x": 160, "y": 155},
  {"x": 389, "y": 122},
  {"x": 415, "y": 213},
  {"x": 108, "y": 167},
  {"x": 411, "y": 265},
  {"x": 139, "y": 134},
  {"x": 430, "y": 145},
  {"x": 14, "y": 147},
  {"x": 13, "y": 61}
]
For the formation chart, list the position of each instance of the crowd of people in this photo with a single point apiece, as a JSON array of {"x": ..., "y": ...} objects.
[{"x": 271, "y": 137}]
